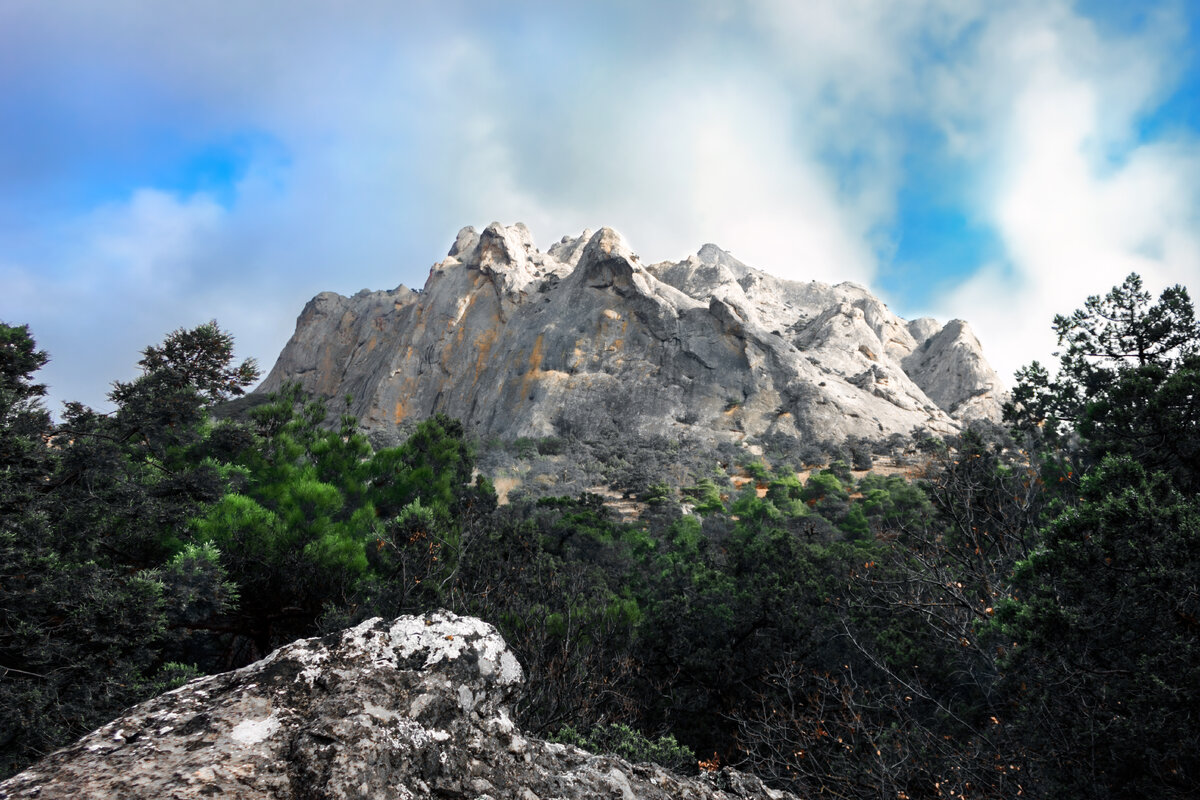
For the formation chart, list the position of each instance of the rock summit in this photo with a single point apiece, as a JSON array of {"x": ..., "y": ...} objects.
[{"x": 583, "y": 339}]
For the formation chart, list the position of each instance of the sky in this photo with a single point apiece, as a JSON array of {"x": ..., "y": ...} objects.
[{"x": 164, "y": 164}]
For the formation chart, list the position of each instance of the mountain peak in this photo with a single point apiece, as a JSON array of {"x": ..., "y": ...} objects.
[
  {"x": 583, "y": 339},
  {"x": 712, "y": 254}
]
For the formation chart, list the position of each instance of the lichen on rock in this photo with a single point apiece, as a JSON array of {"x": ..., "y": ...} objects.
[{"x": 414, "y": 708}]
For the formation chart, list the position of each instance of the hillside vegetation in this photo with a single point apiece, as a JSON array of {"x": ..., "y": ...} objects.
[{"x": 1020, "y": 620}]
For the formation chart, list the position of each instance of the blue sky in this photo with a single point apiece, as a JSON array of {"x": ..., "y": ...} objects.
[{"x": 162, "y": 164}]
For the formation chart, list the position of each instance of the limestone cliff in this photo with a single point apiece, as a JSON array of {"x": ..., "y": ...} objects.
[
  {"x": 412, "y": 709},
  {"x": 584, "y": 338}
]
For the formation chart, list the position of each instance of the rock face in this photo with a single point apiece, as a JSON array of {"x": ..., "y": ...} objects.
[
  {"x": 415, "y": 708},
  {"x": 584, "y": 339}
]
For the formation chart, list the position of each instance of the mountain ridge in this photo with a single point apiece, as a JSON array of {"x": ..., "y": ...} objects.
[{"x": 583, "y": 338}]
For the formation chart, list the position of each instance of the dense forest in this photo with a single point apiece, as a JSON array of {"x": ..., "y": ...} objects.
[{"x": 1020, "y": 616}]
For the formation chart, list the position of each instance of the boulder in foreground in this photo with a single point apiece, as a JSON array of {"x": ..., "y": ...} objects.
[{"x": 414, "y": 708}]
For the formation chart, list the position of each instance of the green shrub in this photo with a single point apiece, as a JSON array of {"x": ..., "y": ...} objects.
[
  {"x": 655, "y": 493},
  {"x": 821, "y": 485},
  {"x": 757, "y": 470},
  {"x": 552, "y": 446},
  {"x": 524, "y": 447},
  {"x": 855, "y": 522},
  {"x": 631, "y": 745},
  {"x": 706, "y": 495},
  {"x": 841, "y": 470}
]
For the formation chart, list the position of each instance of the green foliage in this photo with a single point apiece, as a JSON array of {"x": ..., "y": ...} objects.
[
  {"x": 706, "y": 495},
  {"x": 855, "y": 522},
  {"x": 78, "y": 644},
  {"x": 163, "y": 410},
  {"x": 19, "y": 359},
  {"x": 435, "y": 463},
  {"x": 752, "y": 509},
  {"x": 524, "y": 447},
  {"x": 757, "y": 470},
  {"x": 1104, "y": 628},
  {"x": 1101, "y": 620},
  {"x": 24, "y": 424},
  {"x": 195, "y": 585},
  {"x": 683, "y": 542},
  {"x": 841, "y": 470},
  {"x": 200, "y": 360},
  {"x": 322, "y": 519},
  {"x": 655, "y": 493},
  {"x": 99, "y": 587},
  {"x": 787, "y": 494},
  {"x": 894, "y": 503},
  {"x": 821, "y": 485},
  {"x": 1126, "y": 383},
  {"x": 631, "y": 745}
]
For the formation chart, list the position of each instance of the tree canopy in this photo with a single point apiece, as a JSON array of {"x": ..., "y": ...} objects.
[{"x": 1127, "y": 380}]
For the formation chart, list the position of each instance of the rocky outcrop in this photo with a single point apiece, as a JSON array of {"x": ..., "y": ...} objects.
[
  {"x": 415, "y": 708},
  {"x": 584, "y": 339},
  {"x": 949, "y": 366}
]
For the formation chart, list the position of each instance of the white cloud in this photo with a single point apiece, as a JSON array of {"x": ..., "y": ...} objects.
[
  {"x": 1075, "y": 222},
  {"x": 717, "y": 162},
  {"x": 861, "y": 73},
  {"x": 778, "y": 130},
  {"x": 150, "y": 242}
]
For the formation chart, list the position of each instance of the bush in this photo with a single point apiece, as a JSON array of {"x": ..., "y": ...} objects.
[
  {"x": 655, "y": 493},
  {"x": 706, "y": 495},
  {"x": 552, "y": 446},
  {"x": 524, "y": 448},
  {"x": 757, "y": 470},
  {"x": 634, "y": 746},
  {"x": 841, "y": 471},
  {"x": 860, "y": 456},
  {"x": 821, "y": 485}
]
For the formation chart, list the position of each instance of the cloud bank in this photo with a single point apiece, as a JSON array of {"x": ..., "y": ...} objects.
[{"x": 162, "y": 164}]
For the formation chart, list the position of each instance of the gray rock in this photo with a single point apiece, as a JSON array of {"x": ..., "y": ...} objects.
[
  {"x": 950, "y": 368},
  {"x": 585, "y": 339},
  {"x": 414, "y": 708}
]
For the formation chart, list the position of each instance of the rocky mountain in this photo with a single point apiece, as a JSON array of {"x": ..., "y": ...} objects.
[
  {"x": 584, "y": 339},
  {"x": 414, "y": 708}
]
